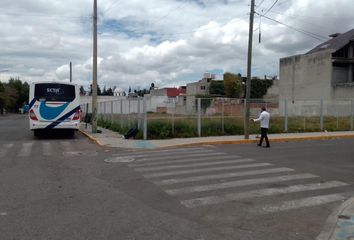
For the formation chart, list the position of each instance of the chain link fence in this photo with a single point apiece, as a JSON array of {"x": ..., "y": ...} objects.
[{"x": 188, "y": 116}]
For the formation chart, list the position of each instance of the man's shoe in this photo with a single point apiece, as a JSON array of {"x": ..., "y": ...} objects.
[{"x": 259, "y": 145}]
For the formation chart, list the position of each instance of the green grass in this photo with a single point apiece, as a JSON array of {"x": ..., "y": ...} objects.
[{"x": 162, "y": 126}]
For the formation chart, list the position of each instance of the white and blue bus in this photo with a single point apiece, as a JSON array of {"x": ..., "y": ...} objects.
[{"x": 54, "y": 105}]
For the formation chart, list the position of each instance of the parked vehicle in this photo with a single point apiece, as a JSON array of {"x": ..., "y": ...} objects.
[{"x": 54, "y": 105}]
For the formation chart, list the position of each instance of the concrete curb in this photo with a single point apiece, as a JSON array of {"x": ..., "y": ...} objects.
[
  {"x": 331, "y": 224},
  {"x": 240, "y": 141},
  {"x": 91, "y": 138}
]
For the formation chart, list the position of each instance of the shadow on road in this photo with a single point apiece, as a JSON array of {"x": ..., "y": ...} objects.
[{"x": 55, "y": 134}]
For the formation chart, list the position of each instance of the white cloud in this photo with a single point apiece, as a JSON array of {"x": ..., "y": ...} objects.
[{"x": 165, "y": 42}]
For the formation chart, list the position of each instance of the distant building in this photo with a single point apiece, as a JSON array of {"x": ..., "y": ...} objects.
[
  {"x": 118, "y": 92},
  {"x": 168, "y": 92},
  {"x": 200, "y": 87}
]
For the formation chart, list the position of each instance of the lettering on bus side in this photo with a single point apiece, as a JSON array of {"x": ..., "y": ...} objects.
[{"x": 55, "y": 90}]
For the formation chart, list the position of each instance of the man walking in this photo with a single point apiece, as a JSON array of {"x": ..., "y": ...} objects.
[{"x": 264, "y": 122}]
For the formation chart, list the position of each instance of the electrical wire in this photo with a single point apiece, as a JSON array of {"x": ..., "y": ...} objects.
[
  {"x": 109, "y": 8},
  {"x": 257, "y": 6},
  {"x": 307, "y": 22},
  {"x": 189, "y": 32},
  {"x": 271, "y": 7},
  {"x": 169, "y": 13},
  {"x": 159, "y": 19},
  {"x": 310, "y": 34}
]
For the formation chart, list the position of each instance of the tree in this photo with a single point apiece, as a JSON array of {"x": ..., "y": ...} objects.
[
  {"x": 17, "y": 94},
  {"x": 217, "y": 87},
  {"x": 2, "y": 97},
  {"x": 152, "y": 86},
  {"x": 99, "y": 93},
  {"x": 109, "y": 92},
  {"x": 259, "y": 87},
  {"x": 232, "y": 85},
  {"x": 98, "y": 90},
  {"x": 11, "y": 98}
]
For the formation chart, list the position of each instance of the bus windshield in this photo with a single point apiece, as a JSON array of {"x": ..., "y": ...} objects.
[{"x": 54, "y": 92}]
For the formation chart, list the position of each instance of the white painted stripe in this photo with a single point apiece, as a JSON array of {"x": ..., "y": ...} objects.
[
  {"x": 239, "y": 183},
  {"x": 184, "y": 160},
  {"x": 25, "y": 149},
  {"x": 47, "y": 149},
  {"x": 209, "y": 146},
  {"x": 149, "y": 169},
  {"x": 157, "y": 154},
  {"x": 5, "y": 149},
  {"x": 222, "y": 176},
  {"x": 260, "y": 193},
  {"x": 178, "y": 156},
  {"x": 8, "y": 145},
  {"x": 159, "y": 151},
  {"x": 299, "y": 203},
  {"x": 164, "y": 174}
]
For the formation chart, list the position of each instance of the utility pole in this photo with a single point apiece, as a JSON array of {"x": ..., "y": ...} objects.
[
  {"x": 71, "y": 72},
  {"x": 249, "y": 71},
  {"x": 94, "y": 70}
]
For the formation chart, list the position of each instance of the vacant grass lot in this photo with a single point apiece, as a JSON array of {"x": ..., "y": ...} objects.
[{"x": 162, "y": 126}]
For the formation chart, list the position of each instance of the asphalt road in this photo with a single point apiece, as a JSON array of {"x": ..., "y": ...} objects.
[{"x": 57, "y": 187}]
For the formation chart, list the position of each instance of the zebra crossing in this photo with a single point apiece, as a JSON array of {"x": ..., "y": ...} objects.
[
  {"x": 204, "y": 177},
  {"x": 45, "y": 148}
]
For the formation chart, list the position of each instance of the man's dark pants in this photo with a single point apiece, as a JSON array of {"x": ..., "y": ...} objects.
[{"x": 264, "y": 132}]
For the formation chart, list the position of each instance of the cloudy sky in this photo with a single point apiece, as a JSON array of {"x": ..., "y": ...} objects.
[{"x": 167, "y": 42}]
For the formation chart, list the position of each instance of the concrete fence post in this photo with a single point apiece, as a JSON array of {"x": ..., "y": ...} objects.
[
  {"x": 121, "y": 113},
  {"x": 351, "y": 114},
  {"x": 173, "y": 116},
  {"x": 286, "y": 116},
  {"x": 105, "y": 110},
  {"x": 100, "y": 110},
  {"x": 321, "y": 115},
  {"x": 112, "y": 111},
  {"x": 145, "y": 119},
  {"x": 222, "y": 117},
  {"x": 138, "y": 115},
  {"x": 199, "y": 123}
]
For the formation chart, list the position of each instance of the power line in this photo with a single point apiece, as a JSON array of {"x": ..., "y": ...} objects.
[
  {"x": 109, "y": 8},
  {"x": 137, "y": 30},
  {"x": 271, "y": 7},
  {"x": 297, "y": 17},
  {"x": 188, "y": 32},
  {"x": 310, "y": 34},
  {"x": 169, "y": 13},
  {"x": 259, "y": 4}
]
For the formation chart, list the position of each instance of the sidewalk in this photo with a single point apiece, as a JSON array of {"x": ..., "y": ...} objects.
[
  {"x": 112, "y": 139},
  {"x": 340, "y": 224}
]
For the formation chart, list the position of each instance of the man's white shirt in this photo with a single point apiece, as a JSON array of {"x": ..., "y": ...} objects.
[{"x": 264, "y": 119}]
